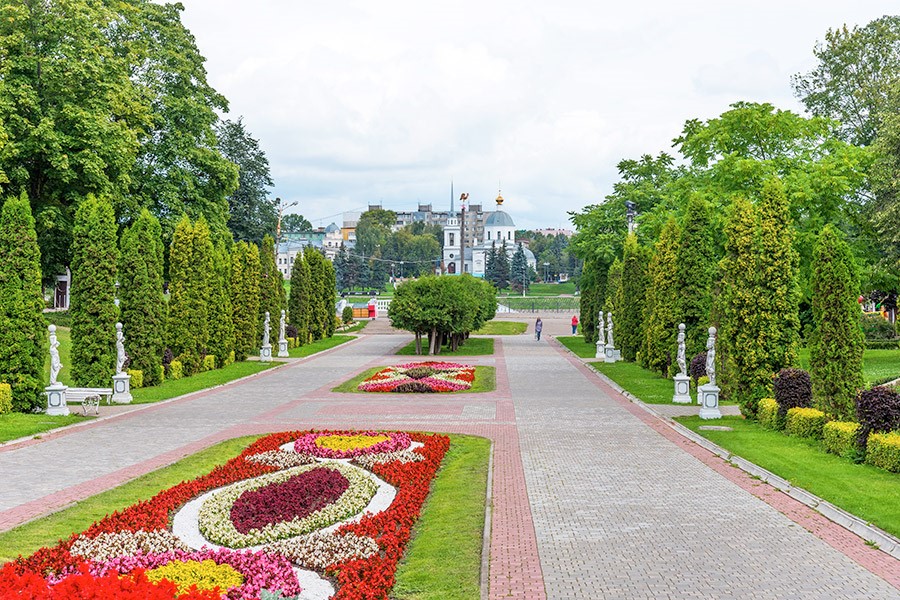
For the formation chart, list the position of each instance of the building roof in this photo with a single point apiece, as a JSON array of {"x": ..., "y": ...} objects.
[
  {"x": 332, "y": 228},
  {"x": 499, "y": 219}
]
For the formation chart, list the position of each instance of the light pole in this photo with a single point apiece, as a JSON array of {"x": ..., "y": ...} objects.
[
  {"x": 280, "y": 209},
  {"x": 630, "y": 214},
  {"x": 546, "y": 271}
]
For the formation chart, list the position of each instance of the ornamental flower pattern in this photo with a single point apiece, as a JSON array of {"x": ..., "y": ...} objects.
[
  {"x": 333, "y": 444},
  {"x": 421, "y": 377},
  {"x": 360, "y": 557}
]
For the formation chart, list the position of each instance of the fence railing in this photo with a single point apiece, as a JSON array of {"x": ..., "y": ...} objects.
[{"x": 533, "y": 304}]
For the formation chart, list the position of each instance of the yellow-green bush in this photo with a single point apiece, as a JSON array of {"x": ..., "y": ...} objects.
[
  {"x": 137, "y": 378},
  {"x": 292, "y": 343},
  {"x": 228, "y": 359},
  {"x": 767, "y": 413},
  {"x": 162, "y": 373},
  {"x": 839, "y": 437},
  {"x": 805, "y": 422},
  {"x": 883, "y": 451},
  {"x": 5, "y": 398},
  {"x": 209, "y": 362},
  {"x": 175, "y": 370}
]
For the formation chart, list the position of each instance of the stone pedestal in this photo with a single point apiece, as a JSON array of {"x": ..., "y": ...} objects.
[
  {"x": 612, "y": 354},
  {"x": 708, "y": 395},
  {"x": 265, "y": 353},
  {"x": 601, "y": 351},
  {"x": 682, "y": 389},
  {"x": 121, "y": 388},
  {"x": 56, "y": 399},
  {"x": 283, "y": 349}
]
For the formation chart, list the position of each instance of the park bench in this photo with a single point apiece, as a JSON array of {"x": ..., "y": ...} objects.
[{"x": 89, "y": 397}]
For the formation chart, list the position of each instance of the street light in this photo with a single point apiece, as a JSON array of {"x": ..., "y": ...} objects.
[
  {"x": 630, "y": 214},
  {"x": 281, "y": 208},
  {"x": 546, "y": 271}
]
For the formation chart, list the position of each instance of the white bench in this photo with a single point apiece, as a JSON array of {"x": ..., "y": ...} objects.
[{"x": 89, "y": 397}]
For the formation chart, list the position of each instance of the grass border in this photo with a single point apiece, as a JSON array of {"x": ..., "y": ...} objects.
[
  {"x": 471, "y": 347},
  {"x": 485, "y": 381}
]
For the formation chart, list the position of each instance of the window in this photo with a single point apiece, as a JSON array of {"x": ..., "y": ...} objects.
[
  {"x": 489, "y": 236},
  {"x": 452, "y": 240}
]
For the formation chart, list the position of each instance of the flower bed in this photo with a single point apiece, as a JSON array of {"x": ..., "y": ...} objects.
[
  {"x": 421, "y": 377},
  {"x": 360, "y": 557},
  {"x": 350, "y": 444}
]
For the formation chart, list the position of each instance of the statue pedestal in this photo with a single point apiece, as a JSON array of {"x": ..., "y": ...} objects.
[
  {"x": 265, "y": 353},
  {"x": 282, "y": 348},
  {"x": 56, "y": 399},
  {"x": 612, "y": 355},
  {"x": 682, "y": 389},
  {"x": 708, "y": 395},
  {"x": 601, "y": 350},
  {"x": 121, "y": 388}
]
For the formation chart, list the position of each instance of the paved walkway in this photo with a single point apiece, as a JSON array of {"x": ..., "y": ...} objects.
[{"x": 593, "y": 498}]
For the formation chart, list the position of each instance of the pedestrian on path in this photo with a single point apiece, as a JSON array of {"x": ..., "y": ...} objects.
[
  {"x": 537, "y": 329},
  {"x": 574, "y": 324}
]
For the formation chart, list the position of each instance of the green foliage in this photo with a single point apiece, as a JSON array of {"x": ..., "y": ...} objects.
[
  {"x": 22, "y": 326},
  {"x": 209, "y": 363},
  {"x": 695, "y": 273},
  {"x": 593, "y": 285},
  {"x": 767, "y": 413},
  {"x": 176, "y": 371},
  {"x": 329, "y": 293},
  {"x": 630, "y": 299},
  {"x": 661, "y": 307},
  {"x": 251, "y": 213},
  {"x": 299, "y": 302},
  {"x": 6, "y": 404},
  {"x": 883, "y": 451},
  {"x": 294, "y": 223},
  {"x": 221, "y": 310},
  {"x": 501, "y": 268},
  {"x": 839, "y": 437},
  {"x": 271, "y": 285},
  {"x": 191, "y": 273},
  {"x": 885, "y": 180},
  {"x": 347, "y": 315},
  {"x": 805, "y": 422},
  {"x": 877, "y": 328},
  {"x": 837, "y": 344},
  {"x": 142, "y": 304},
  {"x": 137, "y": 378},
  {"x": 519, "y": 270},
  {"x": 245, "y": 267},
  {"x": 94, "y": 313},
  {"x": 613, "y": 282},
  {"x": 317, "y": 309}
]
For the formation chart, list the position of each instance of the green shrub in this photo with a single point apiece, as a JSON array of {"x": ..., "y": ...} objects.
[
  {"x": 292, "y": 343},
  {"x": 175, "y": 370},
  {"x": 876, "y": 327},
  {"x": 878, "y": 411},
  {"x": 883, "y": 451},
  {"x": 162, "y": 373},
  {"x": 882, "y": 344},
  {"x": 137, "y": 378},
  {"x": 347, "y": 315},
  {"x": 697, "y": 368},
  {"x": 702, "y": 381},
  {"x": 805, "y": 422},
  {"x": 839, "y": 437},
  {"x": 5, "y": 398},
  {"x": 767, "y": 413},
  {"x": 229, "y": 359},
  {"x": 209, "y": 362}
]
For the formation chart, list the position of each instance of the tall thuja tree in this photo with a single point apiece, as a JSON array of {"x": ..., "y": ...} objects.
[
  {"x": 501, "y": 268},
  {"x": 741, "y": 366},
  {"x": 245, "y": 299},
  {"x": 92, "y": 302},
  {"x": 221, "y": 324},
  {"x": 629, "y": 320},
  {"x": 298, "y": 304},
  {"x": 590, "y": 300},
  {"x": 519, "y": 270},
  {"x": 185, "y": 308},
  {"x": 661, "y": 307},
  {"x": 695, "y": 274},
  {"x": 778, "y": 265},
  {"x": 271, "y": 285},
  {"x": 141, "y": 301},
  {"x": 22, "y": 326},
  {"x": 837, "y": 344},
  {"x": 329, "y": 293},
  {"x": 613, "y": 282},
  {"x": 315, "y": 308}
]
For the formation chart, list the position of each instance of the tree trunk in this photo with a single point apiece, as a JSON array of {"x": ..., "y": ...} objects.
[{"x": 418, "y": 343}]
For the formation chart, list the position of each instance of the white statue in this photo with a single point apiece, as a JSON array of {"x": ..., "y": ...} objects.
[
  {"x": 609, "y": 331},
  {"x": 266, "y": 330},
  {"x": 55, "y": 364},
  {"x": 711, "y": 356},
  {"x": 680, "y": 358},
  {"x": 281, "y": 331},
  {"x": 601, "y": 332},
  {"x": 120, "y": 349}
]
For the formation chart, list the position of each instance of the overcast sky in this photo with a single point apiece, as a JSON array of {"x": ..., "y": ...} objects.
[{"x": 359, "y": 102}]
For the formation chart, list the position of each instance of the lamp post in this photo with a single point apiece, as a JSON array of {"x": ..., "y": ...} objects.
[
  {"x": 546, "y": 271},
  {"x": 630, "y": 214},
  {"x": 280, "y": 209}
]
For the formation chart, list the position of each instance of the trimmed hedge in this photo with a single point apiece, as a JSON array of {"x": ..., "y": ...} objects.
[
  {"x": 209, "y": 362},
  {"x": 697, "y": 368},
  {"x": 883, "y": 451},
  {"x": 839, "y": 437},
  {"x": 878, "y": 411},
  {"x": 5, "y": 398},
  {"x": 767, "y": 413},
  {"x": 805, "y": 422},
  {"x": 137, "y": 378},
  {"x": 176, "y": 370}
]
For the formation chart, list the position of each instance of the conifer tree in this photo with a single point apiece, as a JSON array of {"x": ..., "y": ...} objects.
[
  {"x": 519, "y": 270},
  {"x": 590, "y": 301},
  {"x": 501, "y": 268},
  {"x": 22, "y": 325},
  {"x": 298, "y": 304},
  {"x": 629, "y": 319},
  {"x": 221, "y": 323},
  {"x": 661, "y": 307},
  {"x": 837, "y": 344},
  {"x": 695, "y": 271},
  {"x": 315, "y": 308},
  {"x": 142, "y": 304},
  {"x": 245, "y": 299},
  {"x": 189, "y": 293},
  {"x": 490, "y": 263},
  {"x": 92, "y": 302},
  {"x": 328, "y": 297},
  {"x": 613, "y": 281}
]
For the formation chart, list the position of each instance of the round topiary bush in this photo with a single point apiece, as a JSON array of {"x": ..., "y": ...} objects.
[
  {"x": 793, "y": 389},
  {"x": 290, "y": 331},
  {"x": 697, "y": 368},
  {"x": 878, "y": 411},
  {"x": 414, "y": 387}
]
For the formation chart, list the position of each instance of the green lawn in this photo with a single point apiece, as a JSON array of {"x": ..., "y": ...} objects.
[
  {"x": 16, "y": 425},
  {"x": 576, "y": 344},
  {"x": 178, "y": 387},
  {"x": 502, "y": 328},
  {"x": 863, "y": 490},
  {"x": 319, "y": 345},
  {"x": 443, "y": 560},
  {"x": 485, "y": 381},
  {"x": 472, "y": 347},
  {"x": 879, "y": 366}
]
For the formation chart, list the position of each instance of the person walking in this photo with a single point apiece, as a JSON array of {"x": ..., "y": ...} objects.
[
  {"x": 574, "y": 324},
  {"x": 537, "y": 329}
]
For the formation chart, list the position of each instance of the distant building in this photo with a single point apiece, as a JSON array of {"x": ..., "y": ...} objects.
[{"x": 555, "y": 232}]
